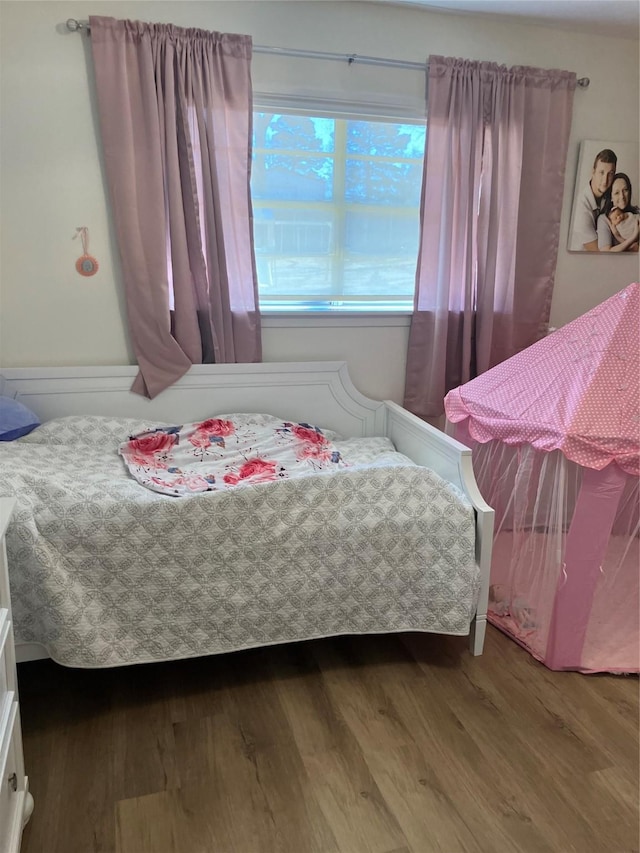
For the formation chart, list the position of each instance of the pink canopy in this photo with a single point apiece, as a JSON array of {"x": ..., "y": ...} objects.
[
  {"x": 577, "y": 390},
  {"x": 564, "y": 575}
]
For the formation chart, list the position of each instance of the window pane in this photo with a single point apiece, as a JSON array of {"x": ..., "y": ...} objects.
[
  {"x": 382, "y": 182},
  {"x": 368, "y": 277},
  {"x": 374, "y": 233},
  {"x": 301, "y": 278},
  {"x": 293, "y": 133},
  {"x": 380, "y": 254},
  {"x": 385, "y": 140},
  {"x": 292, "y": 177},
  {"x": 293, "y": 231}
]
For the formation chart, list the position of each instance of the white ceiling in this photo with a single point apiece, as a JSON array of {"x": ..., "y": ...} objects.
[{"x": 608, "y": 17}]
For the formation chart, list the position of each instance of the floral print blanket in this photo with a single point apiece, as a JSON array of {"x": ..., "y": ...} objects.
[{"x": 227, "y": 451}]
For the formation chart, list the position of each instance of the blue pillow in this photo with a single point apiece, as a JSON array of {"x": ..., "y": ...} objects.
[{"x": 15, "y": 419}]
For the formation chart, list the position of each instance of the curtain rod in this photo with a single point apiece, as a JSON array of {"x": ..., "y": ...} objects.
[{"x": 74, "y": 26}]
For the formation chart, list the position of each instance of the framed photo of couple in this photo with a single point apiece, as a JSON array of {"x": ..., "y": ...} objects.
[{"x": 605, "y": 216}]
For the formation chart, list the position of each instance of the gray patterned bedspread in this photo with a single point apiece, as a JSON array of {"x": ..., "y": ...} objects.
[{"x": 105, "y": 572}]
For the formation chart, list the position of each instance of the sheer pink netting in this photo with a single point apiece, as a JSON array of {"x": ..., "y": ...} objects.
[
  {"x": 565, "y": 567},
  {"x": 556, "y": 452}
]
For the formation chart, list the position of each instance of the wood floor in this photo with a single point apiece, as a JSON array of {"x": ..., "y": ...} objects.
[{"x": 353, "y": 745}]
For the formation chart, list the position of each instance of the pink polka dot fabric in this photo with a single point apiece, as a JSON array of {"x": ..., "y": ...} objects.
[{"x": 577, "y": 390}]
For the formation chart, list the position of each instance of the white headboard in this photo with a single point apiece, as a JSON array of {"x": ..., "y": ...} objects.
[{"x": 317, "y": 392}]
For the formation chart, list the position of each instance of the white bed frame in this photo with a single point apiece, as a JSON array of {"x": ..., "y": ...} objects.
[{"x": 315, "y": 392}]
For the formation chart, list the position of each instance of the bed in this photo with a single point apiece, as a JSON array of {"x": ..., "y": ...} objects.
[{"x": 105, "y": 572}]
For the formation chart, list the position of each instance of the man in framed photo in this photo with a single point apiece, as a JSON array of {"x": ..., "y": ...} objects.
[{"x": 584, "y": 237}]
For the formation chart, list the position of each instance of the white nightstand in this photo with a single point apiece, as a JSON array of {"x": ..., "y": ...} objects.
[{"x": 16, "y": 803}]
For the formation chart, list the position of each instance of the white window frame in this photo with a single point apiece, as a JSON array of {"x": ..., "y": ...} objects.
[{"x": 337, "y": 109}]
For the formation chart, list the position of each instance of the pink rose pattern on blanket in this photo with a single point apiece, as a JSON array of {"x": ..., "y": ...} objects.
[{"x": 221, "y": 453}]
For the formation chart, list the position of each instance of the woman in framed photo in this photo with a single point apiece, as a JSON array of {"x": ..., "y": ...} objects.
[{"x": 618, "y": 225}]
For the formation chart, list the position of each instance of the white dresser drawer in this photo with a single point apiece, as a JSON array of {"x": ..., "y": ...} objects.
[
  {"x": 16, "y": 803},
  {"x": 12, "y": 782}
]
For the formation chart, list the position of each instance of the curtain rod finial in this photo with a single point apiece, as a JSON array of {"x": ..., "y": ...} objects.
[{"x": 75, "y": 26}]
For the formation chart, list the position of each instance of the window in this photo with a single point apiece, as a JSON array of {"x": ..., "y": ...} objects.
[{"x": 336, "y": 205}]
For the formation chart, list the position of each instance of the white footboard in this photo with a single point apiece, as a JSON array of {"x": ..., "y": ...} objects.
[{"x": 427, "y": 446}]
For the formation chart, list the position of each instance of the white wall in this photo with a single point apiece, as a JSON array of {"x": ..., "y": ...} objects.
[{"x": 52, "y": 181}]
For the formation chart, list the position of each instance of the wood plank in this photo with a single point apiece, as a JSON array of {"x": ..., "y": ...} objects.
[
  {"x": 430, "y": 815},
  {"x": 486, "y": 800},
  {"x": 563, "y": 702},
  {"x": 429, "y": 726},
  {"x": 246, "y": 756},
  {"x": 147, "y": 824},
  {"x": 368, "y": 710},
  {"x": 335, "y": 765}
]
